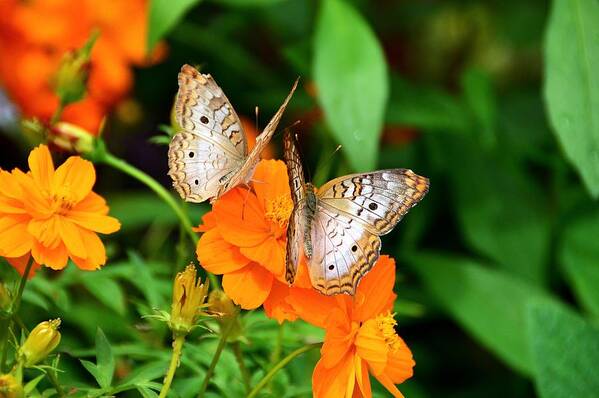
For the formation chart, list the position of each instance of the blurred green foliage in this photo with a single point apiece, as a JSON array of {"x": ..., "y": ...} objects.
[{"x": 498, "y": 268}]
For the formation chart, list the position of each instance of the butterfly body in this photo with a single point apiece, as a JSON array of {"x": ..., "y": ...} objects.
[
  {"x": 209, "y": 155},
  {"x": 338, "y": 226}
]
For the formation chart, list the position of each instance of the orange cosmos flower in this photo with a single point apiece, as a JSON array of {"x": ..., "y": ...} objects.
[
  {"x": 244, "y": 240},
  {"x": 360, "y": 336},
  {"x": 53, "y": 214},
  {"x": 35, "y": 35}
]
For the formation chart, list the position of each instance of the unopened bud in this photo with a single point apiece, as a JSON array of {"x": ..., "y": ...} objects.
[
  {"x": 42, "y": 340},
  {"x": 71, "y": 138},
  {"x": 10, "y": 387},
  {"x": 189, "y": 296},
  {"x": 226, "y": 311},
  {"x": 71, "y": 78}
]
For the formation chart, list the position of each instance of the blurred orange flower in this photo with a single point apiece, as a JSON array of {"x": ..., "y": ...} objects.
[
  {"x": 360, "y": 336},
  {"x": 53, "y": 214},
  {"x": 244, "y": 239},
  {"x": 35, "y": 35}
]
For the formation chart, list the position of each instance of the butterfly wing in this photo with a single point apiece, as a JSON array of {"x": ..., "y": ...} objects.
[
  {"x": 296, "y": 226},
  {"x": 344, "y": 250},
  {"x": 211, "y": 148},
  {"x": 247, "y": 169},
  {"x": 353, "y": 211}
]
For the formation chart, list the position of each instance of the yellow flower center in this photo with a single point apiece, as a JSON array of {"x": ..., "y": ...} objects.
[
  {"x": 63, "y": 200},
  {"x": 278, "y": 210},
  {"x": 386, "y": 325}
]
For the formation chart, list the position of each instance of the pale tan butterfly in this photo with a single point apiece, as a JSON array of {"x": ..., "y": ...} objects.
[
  {"x": 209, "y": 156},
  {"x": 338, "y": 226}
]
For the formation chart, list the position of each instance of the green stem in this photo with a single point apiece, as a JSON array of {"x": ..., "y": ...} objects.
[
  {"x": 219, "y": 349},
  {"x": 14, "y": 308},
  {"x": 276, "y": 354},
  {"x": 177, "y": 347},
  {"x": 55, "y": 383},
  {"x": 139, "y": 175},
  {"x": 279, "y": 366},
  {"x": 244, "y": 371}
]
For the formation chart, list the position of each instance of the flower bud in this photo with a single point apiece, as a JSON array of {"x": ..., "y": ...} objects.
[
  {"x": 71, "y": 78},
  {"x": 10, "y": 387},
  {"x": 226, "y": 311},
  {"x": 42, "y": 340},
  {"x": 71, "y": 138},
  {"x": 189, "y": 296}
]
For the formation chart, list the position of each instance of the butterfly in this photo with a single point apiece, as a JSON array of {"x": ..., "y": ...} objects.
[
  {"x": 338, "y": 226},
  {"x": 209, "y": 156}
]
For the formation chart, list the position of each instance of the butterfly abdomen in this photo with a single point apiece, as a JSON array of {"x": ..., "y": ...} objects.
[{"x": 310, "y": 212}]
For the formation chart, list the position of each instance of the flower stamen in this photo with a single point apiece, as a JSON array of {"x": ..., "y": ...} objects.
[
  {"x": 386, "y": 325},
  {"x": 278, "y": 210}
]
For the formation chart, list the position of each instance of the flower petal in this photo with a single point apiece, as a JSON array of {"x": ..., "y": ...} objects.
[
  {"x": 371, "y": 346},
  {"x": 45, "y": 231},
  {"x": 400, "y": 364},
  {"x": 42, "y": 167},
  {"x": 55, "y": 258},
  {"x": 311, "y": 306},
  {"x": 334, "y": 382},
  {"x": 276, "y": 305},
  {"x": 69, "y": 233},
  {"x": 15, "y": 240},
  {"x": 96, "y": 253},
  {"x": 20, "y": 263},
  {"x": 372, "y": 295},
  {"x": 217, "y": 255},
  {"x": 388, "y": 384},
  {"x": 270, "y": 180},
  {"x": 208, "y": 222},
  {"x": 270, "y": 254},
  {"x": 362, "y": 376},
  {"x": 77, "y": 175},
  {"x": 339, "y": 337},
  {"x": 240, "y": 218},
  {"x": 249, "y": 286}
]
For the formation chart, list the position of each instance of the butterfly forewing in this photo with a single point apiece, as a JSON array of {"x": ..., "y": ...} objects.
[
  {"x": 379, "y": 199},
  {"x": 209, "y": 156}
]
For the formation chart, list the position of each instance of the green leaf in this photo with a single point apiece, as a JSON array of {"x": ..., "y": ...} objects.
[
  {"x": 105, "y": 360},
  {"x": 248, "y": 3},
  {"x": 489, "y": 304},
  {"x": 579, "y": 256},
  {"x": 146, "y": 392},
  {"x": 565, "y": 352},
  {"x": 425, "y": 107},
  {"x": 164, "y": 15},
  {"x": 106, "y": 290},
  {"x": 572, "y": 84},
  {"x": 480, "y": 97},
  {"x": 500, "y": 210},
  {"x": 351, "y": 75},
  {"x": 92, "y": 369}
]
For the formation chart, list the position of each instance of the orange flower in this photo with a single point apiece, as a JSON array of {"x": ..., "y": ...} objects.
[
  {"x": 53, "y": 214},
  {"x": 34, "y": 36},
  {"x": 244, "y": 239},
  {"x": 360, "y": 336}
]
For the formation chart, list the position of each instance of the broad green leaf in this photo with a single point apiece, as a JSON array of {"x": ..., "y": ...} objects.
[
  {"x": 479, "y": 95},
  {"x": 579, "y": 256},
  {"x": 105, "y": 363},
  {"x": 93, "y": 370},
  {"x": 351, "y": 76},
  {"x": 106, "y": 290},
  {"x": 500, "y": 210},
  {"x": 488, "y": 303},
  {"x": 572, "y": 84},
  {"x": 425, "y": 107},
  {"x": 565, "y": 352},
  {"x": 163, "y": 16}
]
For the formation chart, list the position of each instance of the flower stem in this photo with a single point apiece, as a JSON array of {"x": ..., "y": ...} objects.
[
  {"x": 14, "y": 308},
  {"x": 219, "y": 349},
  {"x": 279, "y": 366},
  {"x": 119, "y": 164},
  {"x": 244, "y": 371},
  {"x": 177, "y": 347},
  {"x": 54, "y": 381}
]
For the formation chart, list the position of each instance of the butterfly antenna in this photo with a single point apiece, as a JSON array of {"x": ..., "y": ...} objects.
[{"x": 323, "y": 165}]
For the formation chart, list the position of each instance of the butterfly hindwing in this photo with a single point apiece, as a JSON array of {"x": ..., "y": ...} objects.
[
  {"x": 379, "y": 199},
  {"x": 344, "y": 250}
]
